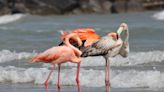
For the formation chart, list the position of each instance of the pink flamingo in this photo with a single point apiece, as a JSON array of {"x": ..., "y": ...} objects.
[{"x": 59, "y": 55}]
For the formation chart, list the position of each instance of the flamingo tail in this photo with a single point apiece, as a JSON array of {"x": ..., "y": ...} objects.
[{"x": 34, "y": 59}]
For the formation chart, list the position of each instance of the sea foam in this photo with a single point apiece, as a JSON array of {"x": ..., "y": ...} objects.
[
  {"x": 134, "y": 58},
  {"x": 7, "y": 55},
  {"x": 89, "y": 78},
  {"x": 132, "y": 78},
  {"x": 10, "y": 18},
  {"x": 159, "y": 15}
]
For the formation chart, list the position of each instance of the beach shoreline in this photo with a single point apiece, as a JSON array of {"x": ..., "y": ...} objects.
[{"x": 53, "y": 88}]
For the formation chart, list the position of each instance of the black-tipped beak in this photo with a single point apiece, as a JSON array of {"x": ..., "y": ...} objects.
[{"x": 117, "y": 36}]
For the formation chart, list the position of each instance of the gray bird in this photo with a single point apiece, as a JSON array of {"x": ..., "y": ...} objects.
[
  {"x": 109, "y": 46},
  {"x": 124, "y": 51}
]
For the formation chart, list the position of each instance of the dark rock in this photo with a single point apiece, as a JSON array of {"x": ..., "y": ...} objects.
[
  {"x": 47, "y": 7},
  {"x": 99, "y": 6},
  {"x": 42, "y": 7},
  {"x": 126, "y": 6}
]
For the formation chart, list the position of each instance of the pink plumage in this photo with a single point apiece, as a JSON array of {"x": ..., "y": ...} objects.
[{"x": 59, "y": 55}]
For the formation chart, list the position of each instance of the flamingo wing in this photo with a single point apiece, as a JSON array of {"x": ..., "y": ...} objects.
[
  {"x": 92, "y": 38},
  {"x": 84, "y": 34},
  {"x": 100, "y": 47},
  {"x": 89, "y": 42},
  {"x": 84, "y": 30}
]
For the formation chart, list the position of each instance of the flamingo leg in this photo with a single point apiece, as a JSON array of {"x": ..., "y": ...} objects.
[
  {"x": 107, "y": 78},
  {"x": 58, "y": 77},
  {"x": 77, "y": 77},
  {"x": 49, "y": 75}
]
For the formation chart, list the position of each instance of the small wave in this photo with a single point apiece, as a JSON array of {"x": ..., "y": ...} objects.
[
  {"x": 89, "y": 78},
  {"x": 159, "y": 15},
  {"x": 132, "y": 78},
  {"x": 7, "y": 56},
  {"x": 137, "y": 58},
  {"x": 134, "y": 58},
  {"x": 10, "y": 18}
]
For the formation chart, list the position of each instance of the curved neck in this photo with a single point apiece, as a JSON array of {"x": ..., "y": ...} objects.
[
  {"x": 127, "y": 36},
  {"x": 126, "y": 40},
  {"x": 67, "y": 43},
  {"x": 125, "y": 47}
]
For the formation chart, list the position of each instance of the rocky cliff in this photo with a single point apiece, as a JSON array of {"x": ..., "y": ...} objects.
[{"x": 47, "y": 7}]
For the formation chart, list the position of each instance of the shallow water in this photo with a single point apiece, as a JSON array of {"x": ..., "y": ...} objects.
[
  {"x": 38, "y": 88},
  {"x": 24, "y": 36}
]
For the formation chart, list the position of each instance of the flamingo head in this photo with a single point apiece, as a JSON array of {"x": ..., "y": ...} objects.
[
  {"x": 77, "y": 39},
  {"x": 123, "y": 27},
  {"x": 63, "y": 35},
  {"x": 73, "y": 37},
  {"x": 114, "y": 35}
]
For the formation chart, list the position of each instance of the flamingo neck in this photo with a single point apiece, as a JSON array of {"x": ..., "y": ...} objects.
[
  {"x": 126, "y": 41},
  {"x": 127, "y": 36},
  {"x": 67, "y": 43}
]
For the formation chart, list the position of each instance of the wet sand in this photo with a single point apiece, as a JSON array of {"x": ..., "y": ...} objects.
[{"x": 40, "y": 88}]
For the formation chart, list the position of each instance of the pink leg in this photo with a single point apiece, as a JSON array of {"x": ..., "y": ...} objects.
[
  {"x": 58, "y": 77},
  {"x": 107, "y": 78},
  {"x": 46, "y": 82},
  {"x": 77, "y": 77}
]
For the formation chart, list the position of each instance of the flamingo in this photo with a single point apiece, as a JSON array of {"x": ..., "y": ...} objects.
[
  {"x": 59, "y": 55},
  {"x": 87, "y": 35},
  {"x": 109, "y": 46}
]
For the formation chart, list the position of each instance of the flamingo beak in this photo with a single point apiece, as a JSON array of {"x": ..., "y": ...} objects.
[
  {"x": 63, "y": 35},
  {"x": 117, "y": 36},
  {"x": 119, "y": 31}
]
